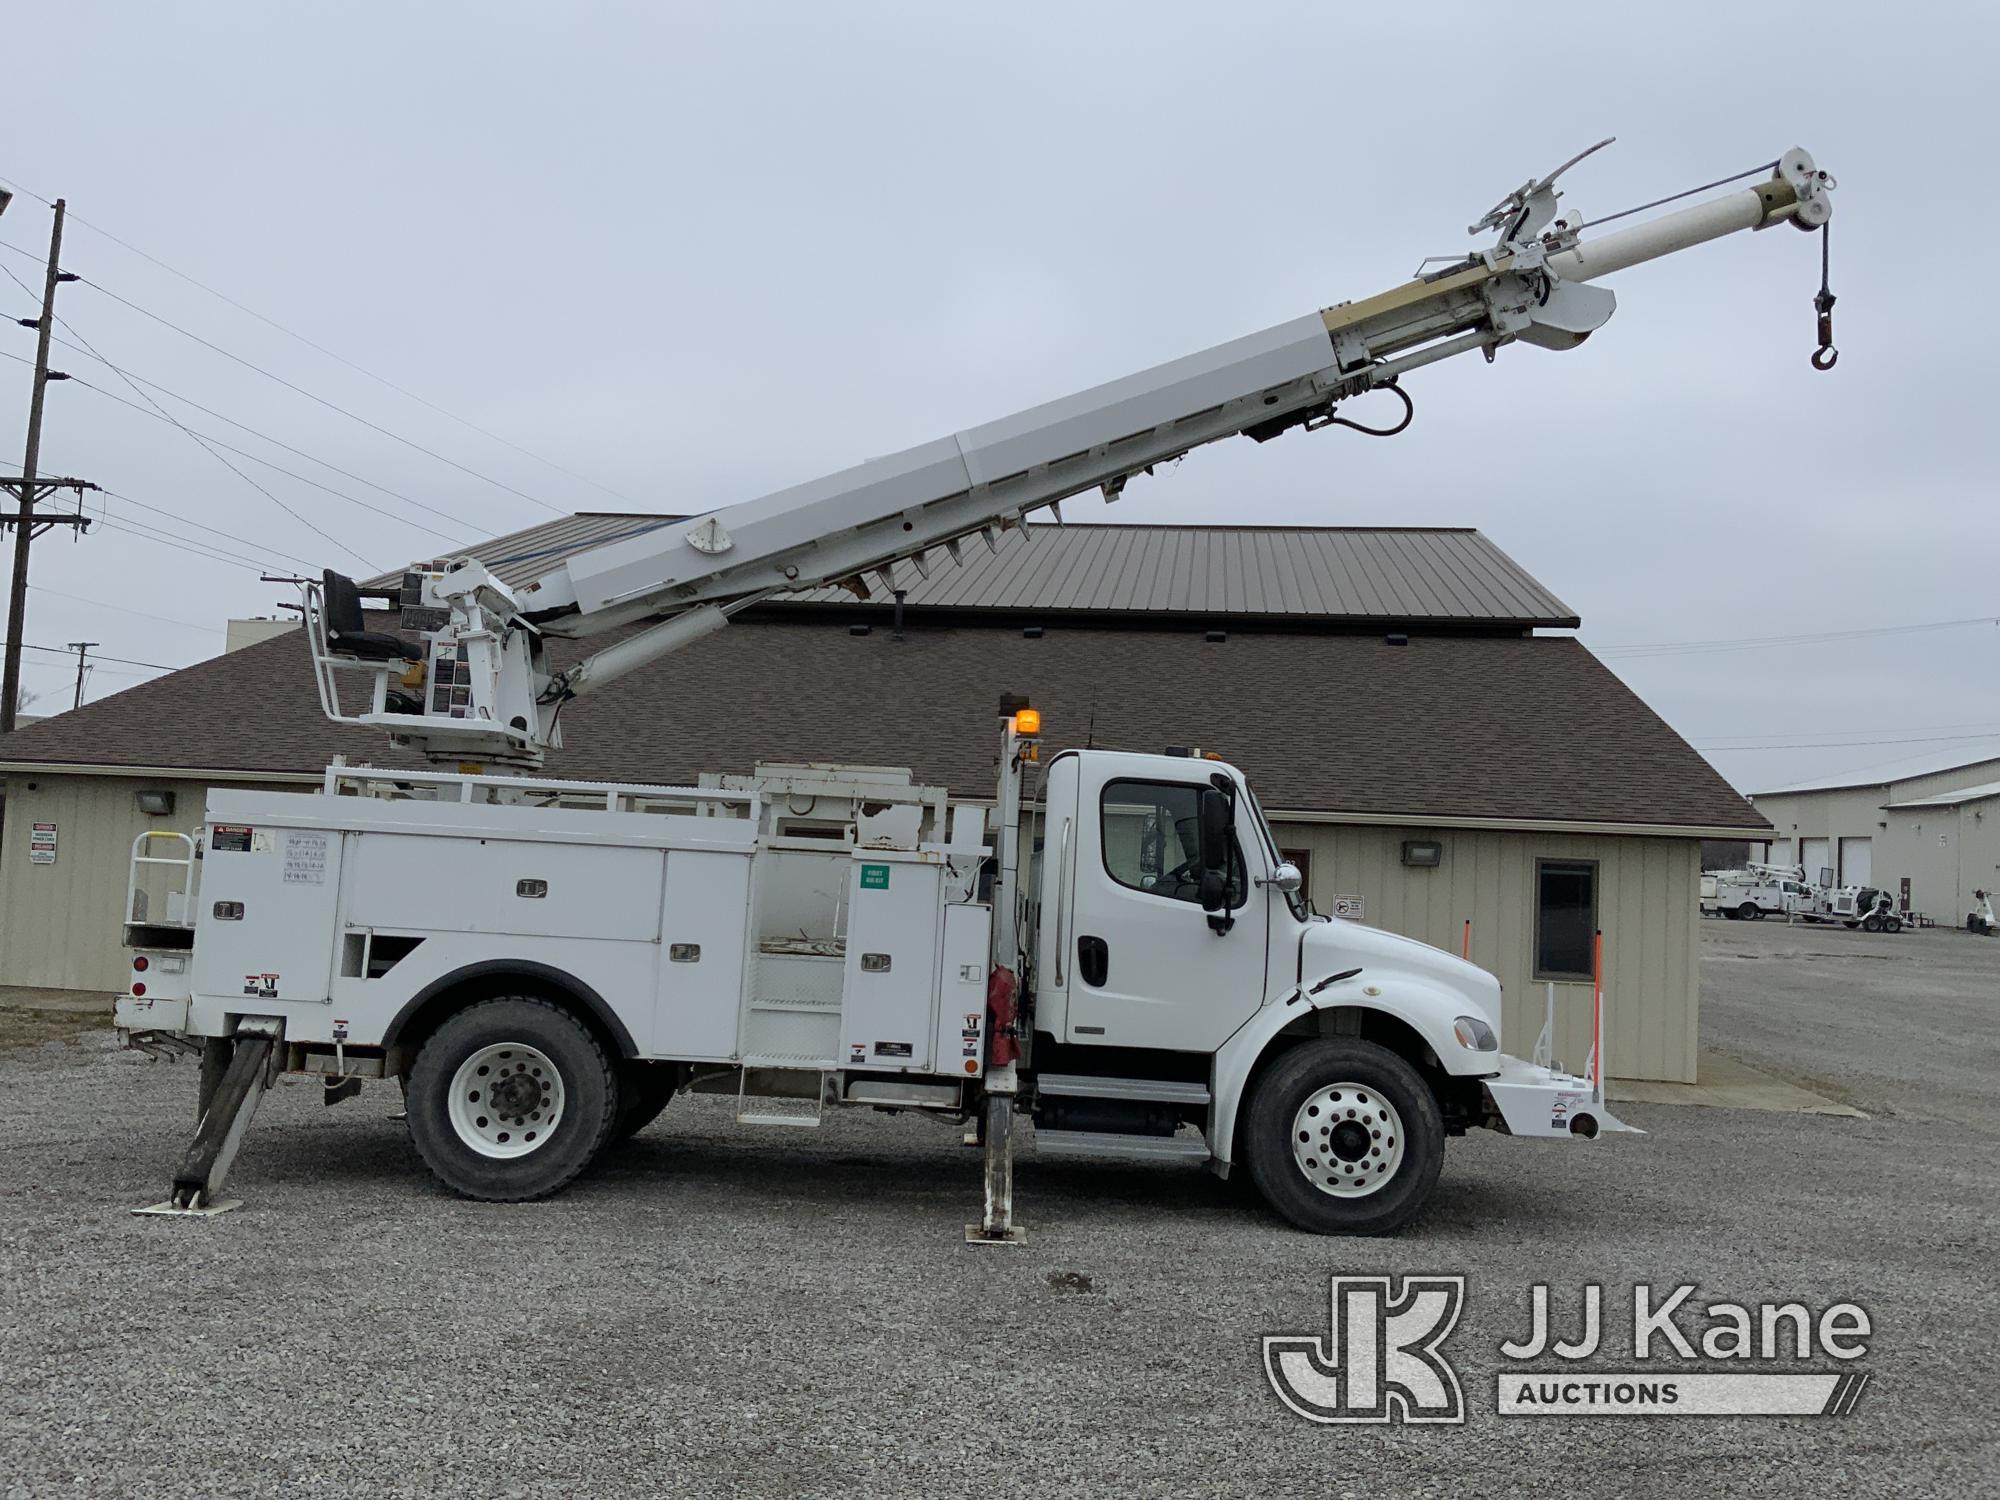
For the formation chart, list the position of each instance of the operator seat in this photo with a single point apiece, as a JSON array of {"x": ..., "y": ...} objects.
[
  {"x": 347, "y": 632},
  {"x": 347, "y": 628}
]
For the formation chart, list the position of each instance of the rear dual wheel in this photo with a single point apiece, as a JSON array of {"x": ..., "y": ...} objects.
[
  {"x": 511, "y": 1098},
  {"x": 1343, "y": 1137}
]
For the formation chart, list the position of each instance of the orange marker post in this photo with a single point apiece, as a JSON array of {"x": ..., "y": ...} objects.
[
  {"x": 1597, "y": 1014},
  {"x": 1466, "y": 952}
]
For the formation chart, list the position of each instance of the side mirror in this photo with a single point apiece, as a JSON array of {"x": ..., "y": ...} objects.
[
  {"x": 1285, "y": 878},
  {"x": 1214, "y": 834},
  {"x": 1214, "y": 890}
]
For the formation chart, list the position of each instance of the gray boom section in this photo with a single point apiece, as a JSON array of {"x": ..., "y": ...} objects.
[{"x": 847, "y": 523}]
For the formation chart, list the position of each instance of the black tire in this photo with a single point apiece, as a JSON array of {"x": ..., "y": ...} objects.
[
  {"x": 1892, "y": 924},
  {"x": 1288, "y": 1086},
  {"x": 1871, "y": 923},
  {"x": 588, "y": 1079},
  {"x": 1750, "y": 911},
  {"x": 643, "y": 1091}
]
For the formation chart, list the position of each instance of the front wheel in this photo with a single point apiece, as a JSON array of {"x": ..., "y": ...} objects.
[
  {"x": 1343, "y": 1137},
  {"x": 510, "y": 1099}
]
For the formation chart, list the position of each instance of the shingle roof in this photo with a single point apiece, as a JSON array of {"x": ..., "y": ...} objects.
[
  {"x": 1520, "y": 728},
  {"x": 1417, "y": 575}
]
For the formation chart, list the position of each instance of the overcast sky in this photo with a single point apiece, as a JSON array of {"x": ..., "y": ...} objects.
[{"x": 698, "y": 253}]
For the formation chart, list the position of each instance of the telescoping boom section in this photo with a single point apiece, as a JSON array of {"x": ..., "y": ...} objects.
[{"x": 477, "y": 688}]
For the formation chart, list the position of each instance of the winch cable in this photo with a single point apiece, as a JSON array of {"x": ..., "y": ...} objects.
[
  {"x": 1825, "y": 357},
  {"x": 1626, "y": 213}
]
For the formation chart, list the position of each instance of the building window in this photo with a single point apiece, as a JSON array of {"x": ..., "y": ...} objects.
[{"x": 1565, "y": 917}]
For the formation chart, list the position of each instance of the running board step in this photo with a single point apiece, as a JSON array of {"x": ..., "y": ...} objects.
[
  {"x": 1107, "y": 1143},
  {"x": 804, "y": 1122},
  {"x": 1080, "y": 1086}
]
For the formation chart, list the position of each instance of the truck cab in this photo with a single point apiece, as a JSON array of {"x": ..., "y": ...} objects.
[{"x": 1188, "y": 1001}]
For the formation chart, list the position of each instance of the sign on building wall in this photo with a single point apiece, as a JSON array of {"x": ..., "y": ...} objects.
[
  {"x": 1354, "y": 908},
  {"x": 42, "y": 844}
]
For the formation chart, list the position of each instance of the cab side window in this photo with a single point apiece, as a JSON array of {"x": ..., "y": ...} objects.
[{"x": 1151, "y": 833}]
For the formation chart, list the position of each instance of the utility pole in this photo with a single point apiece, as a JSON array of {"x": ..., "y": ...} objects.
[
  {"x": 82, "y": 649},
  {"x": 28, "y": 488}
]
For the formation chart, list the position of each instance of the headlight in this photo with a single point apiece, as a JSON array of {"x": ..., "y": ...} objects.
[{"x": 1475, "y": 1035}]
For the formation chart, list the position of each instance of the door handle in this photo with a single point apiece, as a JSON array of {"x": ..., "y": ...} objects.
[
  {"x": 1093, "y": 960},
  {"x": 1062, "y": 901}
]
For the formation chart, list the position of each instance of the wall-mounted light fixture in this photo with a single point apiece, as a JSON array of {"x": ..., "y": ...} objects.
[
  {"x": 1423, "y": 854},
  {"x": 156, "y": 803}
]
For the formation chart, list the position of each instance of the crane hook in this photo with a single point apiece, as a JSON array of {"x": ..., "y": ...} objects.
[{"x": 1825, "y": 357}]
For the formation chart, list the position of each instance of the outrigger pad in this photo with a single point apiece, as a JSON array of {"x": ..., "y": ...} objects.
[{"x": 170, "y": 1210}]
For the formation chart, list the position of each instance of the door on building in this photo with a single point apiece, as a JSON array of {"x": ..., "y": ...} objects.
[
  {"x": 1813, "y": 854},
  {"x": 1857, "y": 861},
  {"x": 1780, "y": 852}
]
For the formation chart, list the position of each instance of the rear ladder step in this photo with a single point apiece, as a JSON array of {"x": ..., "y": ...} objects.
[
  {"x": 1108, "y": 1143},
  {"x": 758, "y": 1109},
  {"x": 1081, "y": 1086}
]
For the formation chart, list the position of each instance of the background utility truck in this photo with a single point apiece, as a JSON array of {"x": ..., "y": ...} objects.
[{"x": 544, "y": 963}]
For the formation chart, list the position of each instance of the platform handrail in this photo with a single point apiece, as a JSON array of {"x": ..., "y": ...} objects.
[{"x": 184, "y": 861}]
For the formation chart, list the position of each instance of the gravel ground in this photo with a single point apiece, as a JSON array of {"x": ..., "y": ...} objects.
[{"x": 722, "y": 1311}]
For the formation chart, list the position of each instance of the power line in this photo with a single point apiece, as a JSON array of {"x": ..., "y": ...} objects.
[
  {"x": 154, "y": 412},
  {"x": 331, "y": 354},
  {"x": 1990, "y": 726},
  {"x": 1747, "y": 643},
  {"x": 212, "y": 451},
  {"x": 214, "y": 531},
  {"x": 124, "y": 660},
  {"x": 1928, "y": 739},
  {"x": 321, "y": 400},
  {"x": 190, "y": 545},
  {"x": 313, "y": 396},
  {"x": 125, "y": 609}
]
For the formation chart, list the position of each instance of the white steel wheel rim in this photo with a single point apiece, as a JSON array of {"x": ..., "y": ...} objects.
[
  {"x": 1347, "y": 1140},
  {"x": 506, "y": 1100}
]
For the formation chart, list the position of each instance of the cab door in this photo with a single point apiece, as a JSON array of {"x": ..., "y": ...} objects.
[{"x": 1143, "y": 964}]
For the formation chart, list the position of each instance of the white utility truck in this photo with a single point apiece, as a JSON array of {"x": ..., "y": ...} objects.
[
  {"x": 544, "y": 963},
  {"x": 1764, "y": 890},
  {"x": 1757, "y": 891}
]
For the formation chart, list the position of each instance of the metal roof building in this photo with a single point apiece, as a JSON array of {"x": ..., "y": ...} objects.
[
  {"x": 1925, "y": 830},
  {"x": 1382, "y": 688},
  {"x": 1429, "y": 576}
]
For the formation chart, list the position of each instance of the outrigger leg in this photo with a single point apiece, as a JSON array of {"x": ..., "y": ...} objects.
[
  {"x": 997, "y": 1226},
  {"x": 229, "y": 1103}
]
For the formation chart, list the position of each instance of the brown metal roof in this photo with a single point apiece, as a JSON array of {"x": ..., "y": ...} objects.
[
  {"x": 1418, "y": 576},
  {"x": 1519, "y": 728},
  {"x": 1421, "y": 576}
]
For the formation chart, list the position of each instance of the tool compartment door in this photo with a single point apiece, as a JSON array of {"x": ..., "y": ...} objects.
[
  {"x": 889, "y": 990},
  {"x": 508, "y": 887},
  {"x": 285, "y": 882},
  {"x": 704, "y": 924}
]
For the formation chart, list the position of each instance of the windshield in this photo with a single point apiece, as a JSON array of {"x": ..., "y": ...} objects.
[{"x": 1296, "y": 900}]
